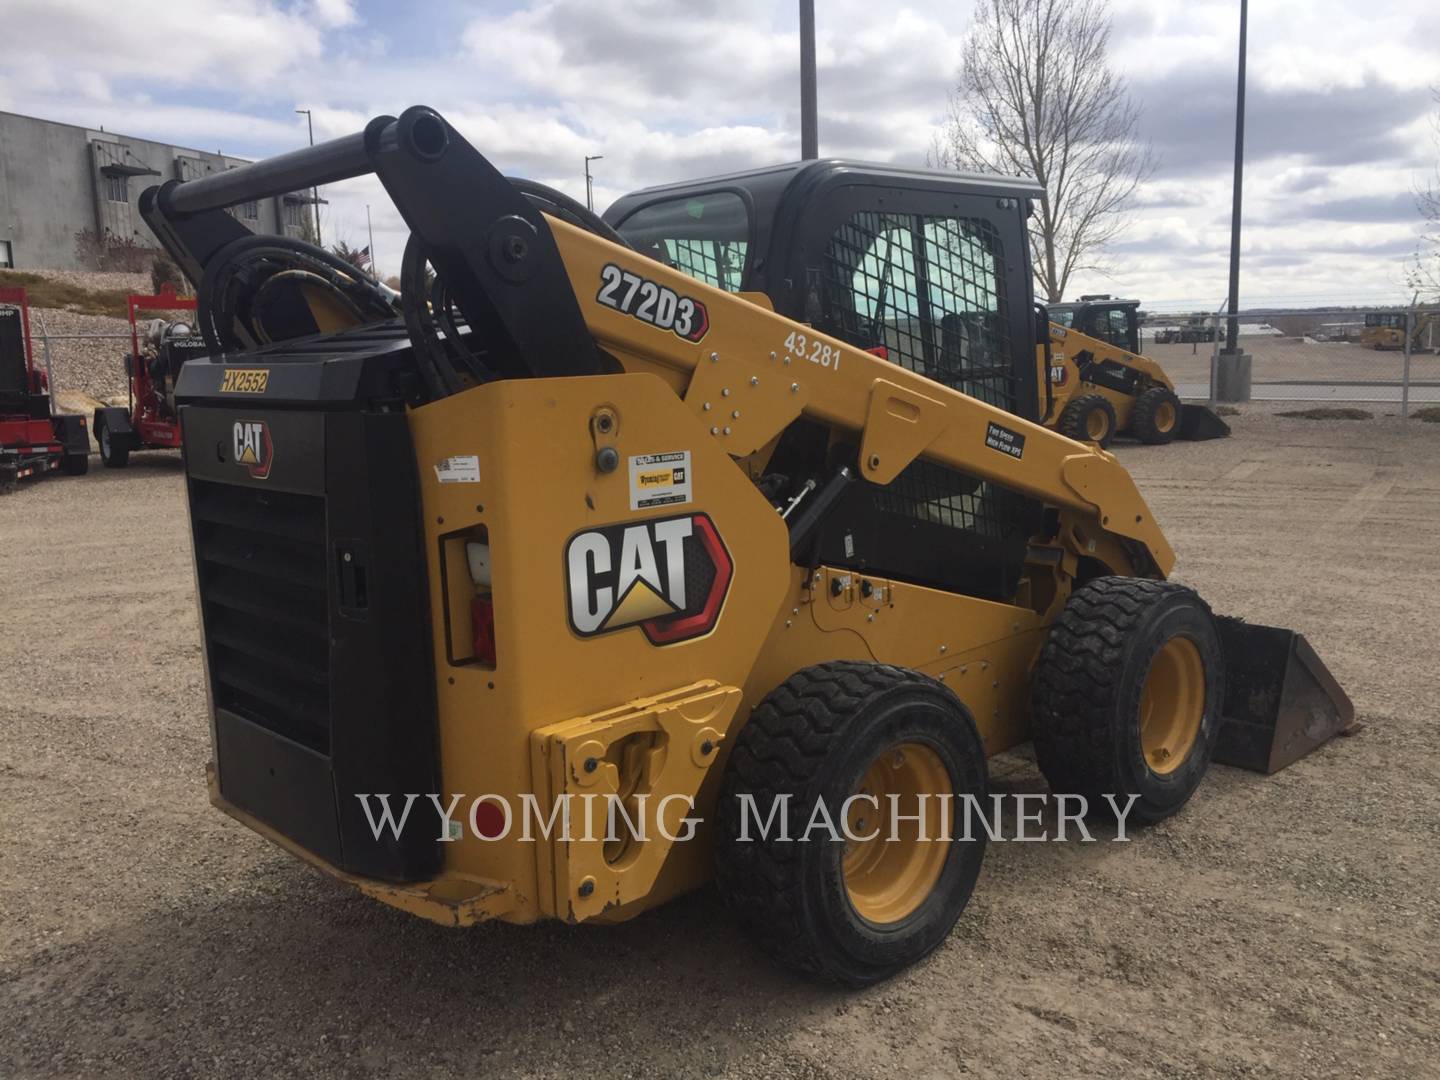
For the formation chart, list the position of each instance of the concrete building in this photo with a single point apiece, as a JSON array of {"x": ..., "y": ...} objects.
[{"x": 57, "y": 180}]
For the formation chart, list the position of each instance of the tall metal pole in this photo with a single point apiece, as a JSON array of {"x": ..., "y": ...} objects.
[
  {"x": 1232, "y": 329},
  {"x": 809, "y": 126},
  {"x": 1410, "y": 328},
  {"x": 371, "y": 230},
  {"x": 589, "y": 181},
  {"x": 314, "y": 191}
]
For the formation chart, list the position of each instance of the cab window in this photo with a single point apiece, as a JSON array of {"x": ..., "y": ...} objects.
[
  {"x": 929, "y": 289},
  {"x": 706, "y": 236},
  {"x": 1112, "y": 325}
]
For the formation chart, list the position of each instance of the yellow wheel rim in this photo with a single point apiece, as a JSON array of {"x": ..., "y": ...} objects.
[
  {"x": 1165, "y": 416},
  {"x": 1096, "y": 425},
  {"x": 1172, "y": 703},
  {"x": 886, "y": 878}
]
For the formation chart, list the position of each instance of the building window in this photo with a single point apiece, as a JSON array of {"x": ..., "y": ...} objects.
[
  {"x": 293, "y": 217},
  {"x": 117, "y": 189},
  {"x": 6, "y": 261},
  {"x": 250, "y": 211}
]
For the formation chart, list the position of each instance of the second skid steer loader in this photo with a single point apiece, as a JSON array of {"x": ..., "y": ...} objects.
[
  {"x": 1101, "y": 384},
  {"x": 572, "y": 528}
]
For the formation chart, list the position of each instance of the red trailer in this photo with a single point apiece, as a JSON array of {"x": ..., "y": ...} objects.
[
  {"x": 32, "y": 439},
  {"x": 156, "y": 355}
]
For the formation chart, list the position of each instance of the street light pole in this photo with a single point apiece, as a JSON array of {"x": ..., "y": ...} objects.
[
  {"x": 314, "y": 191},
  {"x": 1232, "y": 329},
  {"x": 809, "y": 125},
  {"x": 589, "y": 185}
]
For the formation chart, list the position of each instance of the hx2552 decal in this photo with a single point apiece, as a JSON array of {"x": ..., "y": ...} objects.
[
  {"x": 667, "y": 576},
  {"x": 244, "y": 380},
  {"x": 650, "y": 302}
]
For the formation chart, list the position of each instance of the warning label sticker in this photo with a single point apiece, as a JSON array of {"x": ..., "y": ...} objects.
[
  {"x": 660, "y": 480},
  {"x": 1006, "y": 441},
  {"x": 464, "y": 469}
]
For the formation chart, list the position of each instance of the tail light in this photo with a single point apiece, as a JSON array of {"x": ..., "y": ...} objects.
[
  {"x": 482, "y": 607},
  {"x": 482, "y": 625}
]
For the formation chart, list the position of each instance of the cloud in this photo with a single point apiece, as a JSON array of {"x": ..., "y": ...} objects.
[
  {"x": 1190, "y": 120},
  {"x": 335, "y": 13},
  {"x": 229, "y": 43},
  {"x": 1336, "y": 120},
  {"x": 1395, "y": 206}
]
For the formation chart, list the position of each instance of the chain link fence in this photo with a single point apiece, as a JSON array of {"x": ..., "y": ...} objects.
[{"x": 1378, "y": 355}]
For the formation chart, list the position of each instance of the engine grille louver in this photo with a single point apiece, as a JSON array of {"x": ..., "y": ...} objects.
[{"x": 261, "y": 557}]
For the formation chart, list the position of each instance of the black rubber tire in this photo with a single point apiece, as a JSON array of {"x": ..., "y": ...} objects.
[
  {"x": 111, "y": 455},
  {"x": 75, "y": 464},
  {"x": 1087, "y": 686},
  {"x": 1074, "y": 421},
  {"x": 811, "y": 739},
  {"x": 1143, "y": 425}
]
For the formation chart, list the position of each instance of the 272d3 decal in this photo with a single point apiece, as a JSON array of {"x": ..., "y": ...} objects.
[
  {"x": 650, "y": 302},
  {"x": 668, "y": 576}
]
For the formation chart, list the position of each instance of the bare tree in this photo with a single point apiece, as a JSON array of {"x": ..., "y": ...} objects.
[
  {"x": 1036, "y": 97},
  {"x": 1423, "y": 273}
]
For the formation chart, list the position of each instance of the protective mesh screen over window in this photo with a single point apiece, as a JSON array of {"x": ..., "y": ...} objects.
[
  {"x": 705, "y": 235},
  {"x": 716, "y": 262},
  {"x": 929, "y": 289},
  {"x": 932, "y": 291}
]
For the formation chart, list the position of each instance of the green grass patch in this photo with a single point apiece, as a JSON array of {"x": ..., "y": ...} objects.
[
  {"x": 1226, "y": 410},
  {"x": 42, "y": 292},
  {"x": 1328, "y": 412},
  {"x": 1430, "y": 414}
]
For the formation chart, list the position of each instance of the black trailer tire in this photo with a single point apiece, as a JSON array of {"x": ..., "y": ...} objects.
[
  {"x": 1156, "y": 416},
  {"x": 75, "y": 464},
  {"x": 112, "y": 454},
  {"x": 1089, "y": 418},
  {"x": 1127, "y": 694},
  {"x": 820, "y": 738}
]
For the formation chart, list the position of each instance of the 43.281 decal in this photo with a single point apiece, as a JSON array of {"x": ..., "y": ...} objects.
[{"x": 660, "y": 306}]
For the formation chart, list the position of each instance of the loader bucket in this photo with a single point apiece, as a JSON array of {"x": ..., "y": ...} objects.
[
  {"x": 1281, "y": 701},
  {"x": 1199, "y": 422}
]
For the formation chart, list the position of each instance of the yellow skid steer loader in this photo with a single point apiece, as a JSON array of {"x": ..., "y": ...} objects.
[
  {"x": 565, "y": 528},
  {"x": 1101, "y": 385}
]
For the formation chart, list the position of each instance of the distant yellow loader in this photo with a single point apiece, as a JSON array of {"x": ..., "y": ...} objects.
[
  {"x": 1385, "y": 330},
  {"x": 1097, "y": 384}
]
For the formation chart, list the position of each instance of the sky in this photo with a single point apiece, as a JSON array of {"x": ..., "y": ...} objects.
[{"x": 1340, "y": 124}]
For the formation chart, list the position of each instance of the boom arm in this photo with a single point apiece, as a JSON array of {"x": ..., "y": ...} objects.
[{"x": 755, "y": 371}]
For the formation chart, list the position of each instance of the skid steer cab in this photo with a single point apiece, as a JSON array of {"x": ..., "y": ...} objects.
[
  {"x": 591, "y": 576},
  {"x": 872, "y": 255}
]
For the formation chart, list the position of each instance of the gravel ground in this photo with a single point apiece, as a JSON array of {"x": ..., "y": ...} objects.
[
  {"x": 95, "y": 368},
  {"x": 1281, "y": 926}
]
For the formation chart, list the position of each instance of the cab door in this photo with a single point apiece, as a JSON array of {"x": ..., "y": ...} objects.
[
  {"x": 1115, "y": 323},
  {"x": 938, "y": 279}
]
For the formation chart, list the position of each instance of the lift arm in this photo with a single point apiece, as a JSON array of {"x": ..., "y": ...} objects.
[{"x": 753, "y": 372}]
